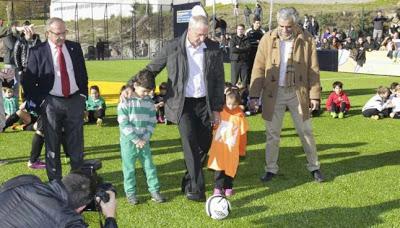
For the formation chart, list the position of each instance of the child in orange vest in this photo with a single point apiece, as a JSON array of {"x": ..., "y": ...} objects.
[{"x": 229, "y": 142}]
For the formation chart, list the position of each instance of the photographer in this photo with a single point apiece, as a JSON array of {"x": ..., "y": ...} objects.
[{"x": 28, "y": 202}]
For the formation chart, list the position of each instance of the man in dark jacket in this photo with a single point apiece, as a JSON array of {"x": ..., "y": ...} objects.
[
  {"x": 239, "y": 55},
  {"x": 254, "y": 35},
  {"x": 25, "y": 41},
  {"x": 56, "y": 82},
  {"x": 27, "y": 202},
  {"x": 378, "y": 22},
  {"x": 195, "y": 96}
]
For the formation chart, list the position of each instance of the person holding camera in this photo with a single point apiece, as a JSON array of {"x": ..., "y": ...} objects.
[{"x": 28, "y": 202}]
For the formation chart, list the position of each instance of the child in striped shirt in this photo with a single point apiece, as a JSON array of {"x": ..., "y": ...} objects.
[
  {"x": 10, "y": 102},
  {"x": 137, "y": 119}
]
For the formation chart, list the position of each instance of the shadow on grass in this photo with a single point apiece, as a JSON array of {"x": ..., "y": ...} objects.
[
  {"x": 333, "y": 216},
  {"x": 293, "y": 172},
  {"x": 169, "y": 175}
]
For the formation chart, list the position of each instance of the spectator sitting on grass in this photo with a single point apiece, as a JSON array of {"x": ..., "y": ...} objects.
[
  {"x": 338, "y": 103},
  {"x": 395, "y": 103},
  {"x": 378, "y": 106},
  {"x": 95, "y": 106},
  {"x": 10, "y": 102}
]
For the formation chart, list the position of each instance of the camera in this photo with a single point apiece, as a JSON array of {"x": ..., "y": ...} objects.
[{"x": 89, "y": 168}]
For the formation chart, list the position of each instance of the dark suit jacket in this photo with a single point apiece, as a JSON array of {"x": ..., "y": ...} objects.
[
  {"x": 173, "y": 56},
  {"x": 39, "y": 77}
]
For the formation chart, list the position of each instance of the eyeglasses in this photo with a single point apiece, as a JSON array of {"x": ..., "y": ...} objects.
[{"x": 61, "y": 34}]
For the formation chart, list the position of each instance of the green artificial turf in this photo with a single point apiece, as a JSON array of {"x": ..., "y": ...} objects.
[{"x": 359, "y": 157}]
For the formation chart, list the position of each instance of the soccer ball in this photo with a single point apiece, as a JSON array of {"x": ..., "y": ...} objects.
[{"x": 218, "y": 207}]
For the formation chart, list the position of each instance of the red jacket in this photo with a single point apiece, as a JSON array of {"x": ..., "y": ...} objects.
[{"x": 334, "y": 98}]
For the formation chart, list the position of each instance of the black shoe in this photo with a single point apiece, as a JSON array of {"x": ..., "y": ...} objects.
[
  {"x": 267, "y": 176},
  {"x": 196, "y": 196},
  {"x": 317, "y": 176}
]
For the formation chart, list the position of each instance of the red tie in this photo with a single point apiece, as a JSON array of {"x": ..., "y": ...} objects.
[{"x": 63, "y": 72}]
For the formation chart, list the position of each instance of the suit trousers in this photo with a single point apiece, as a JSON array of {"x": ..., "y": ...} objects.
[
  {"x": 195, "y": 131},
  {"x": 239, "y": 69},
  {"x": 287, "y": 98},
  {"x": 66, "y": 114}
]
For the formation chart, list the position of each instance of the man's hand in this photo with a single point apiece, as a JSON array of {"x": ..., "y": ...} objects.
[
  {"x": 216, "y": 118},
  {"x": 110, "y": 207},
  {"x": 126, "y": 93},
  {"x": 314, "y": 105},
  {"x": 253, "y": 104}
]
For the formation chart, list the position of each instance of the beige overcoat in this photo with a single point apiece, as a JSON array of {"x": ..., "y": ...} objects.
[{"x": 265, "y": 73}]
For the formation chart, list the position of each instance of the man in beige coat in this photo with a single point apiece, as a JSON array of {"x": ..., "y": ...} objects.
[{"x": 286, "y": 76}]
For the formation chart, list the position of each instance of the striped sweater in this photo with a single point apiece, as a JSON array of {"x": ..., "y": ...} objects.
[
  {"x": 10, "y": 105},
  {"x": 137, "y": 119}
]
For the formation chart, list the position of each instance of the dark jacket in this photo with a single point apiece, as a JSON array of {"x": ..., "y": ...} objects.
[
  {"x": 39, "y": 77},
  {"x": 371, "y": 46},
  {"x": 22, "y": 49},
  {"x": 9, "y": 42},
  {"x": 254, "y": 36},
  {"x": 240, "y": 53},
  {"x": 378, "y": 22},
  {"x": 27, "y": 202},
  {"x": 173, "y": 56}
]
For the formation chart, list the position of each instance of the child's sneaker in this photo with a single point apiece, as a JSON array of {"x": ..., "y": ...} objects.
[
  {"x": 99, "y": 122},
  {"x": 341, "y": 115},
  {"x": 132, "y": 199},
  {"x": 334, "y": 114},
  {"x": 157, "y": 197},
  {"x": 375, "y": 117},
  {"x": 218, "y": 192},
  {"x": 229, "y": 192},
  {"x": 36, "y": 165}
]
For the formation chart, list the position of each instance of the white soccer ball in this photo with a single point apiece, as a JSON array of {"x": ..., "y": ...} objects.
[{"x": 218, "y": 207}]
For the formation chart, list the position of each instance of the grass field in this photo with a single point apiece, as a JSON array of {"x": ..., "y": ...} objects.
[{"x": 360, "y": 158}]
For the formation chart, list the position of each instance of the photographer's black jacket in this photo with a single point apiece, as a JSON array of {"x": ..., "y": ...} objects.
[{"x": 27, "y": 202}]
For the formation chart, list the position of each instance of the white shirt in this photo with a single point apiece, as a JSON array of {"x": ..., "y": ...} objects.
[
  {"x": 195, "y": 86},
  {"x": 285, "y": 49},
  {"x": 57, "y": 89}
]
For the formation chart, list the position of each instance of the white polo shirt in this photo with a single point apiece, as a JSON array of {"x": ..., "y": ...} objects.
[{"x": 195, "y": 86}]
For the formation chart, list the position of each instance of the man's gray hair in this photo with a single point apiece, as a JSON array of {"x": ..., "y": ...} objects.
[
  {"x": 195, "y": 21},
  {"x": 288, "y": 14},
  {"x": 52, "y": 20}
]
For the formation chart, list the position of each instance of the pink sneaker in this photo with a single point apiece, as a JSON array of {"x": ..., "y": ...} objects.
[
  {"x": 229, "y": 192},
  {"x": 218, "y": 192},
  {"x": 37, "y": 165}
]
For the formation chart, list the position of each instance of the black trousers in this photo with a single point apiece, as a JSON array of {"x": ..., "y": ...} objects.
[
  {"x": 195, "y": 131},
  {"x": 239, "y": 69},
  {"x": 252, "y": 56},
  {"x": 337, "y": 109},
  {"x": 63, "y": 113},
  {"x": 222, "y": 181},
  {"x": 93, "y": 115},
  {"x": 372, "y": 112}
]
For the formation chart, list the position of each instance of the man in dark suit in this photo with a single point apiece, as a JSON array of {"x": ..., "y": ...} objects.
[
  {"x": 195, "y": 96},
  {"x": 239, "y": 54},
  {"x": 56, "y": 85}
]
